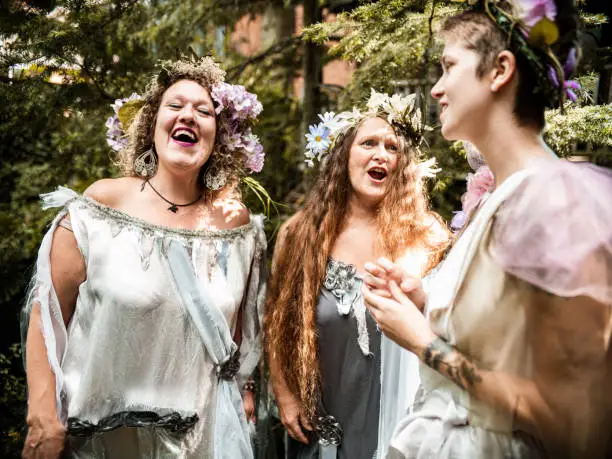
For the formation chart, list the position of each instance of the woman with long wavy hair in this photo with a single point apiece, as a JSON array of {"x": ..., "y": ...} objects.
[{"x": 323, "y": 347}]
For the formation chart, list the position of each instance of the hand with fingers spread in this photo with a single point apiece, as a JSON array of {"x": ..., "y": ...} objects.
[
  {"x": 292, "y": 415},
  {"x": 398, "y": 317},
  {"x": 381, "y": 272}
]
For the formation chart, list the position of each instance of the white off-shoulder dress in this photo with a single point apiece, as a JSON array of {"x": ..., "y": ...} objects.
[{"x": 147, "y": 367}]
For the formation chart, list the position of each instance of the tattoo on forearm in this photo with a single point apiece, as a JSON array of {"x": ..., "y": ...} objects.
[{"x": 443, "y": 358}]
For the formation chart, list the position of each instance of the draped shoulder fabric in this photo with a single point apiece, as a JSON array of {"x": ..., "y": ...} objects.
[
  {"x": 445, "y": 422},
  {"x": 555, "y": 231},
  {"x": 136, "y": 374}
]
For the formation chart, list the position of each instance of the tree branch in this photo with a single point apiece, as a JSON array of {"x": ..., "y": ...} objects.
[{"x": 277, "y": 48}]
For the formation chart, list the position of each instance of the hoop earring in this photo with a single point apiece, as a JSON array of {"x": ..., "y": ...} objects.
[
  {"x": 215, "y": 179},
  {"x": 145, "y": 164}
]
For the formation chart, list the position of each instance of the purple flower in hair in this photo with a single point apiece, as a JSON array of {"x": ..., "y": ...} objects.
[
  {"x": 552, "y": 76},
  {"x": 240, "y": 104},
  {"x": 458, "y": 220},
  {"x": 115, "y": 131},
  {"x": 237, "y": 109},
  {"x": 570, "y": 85},
  {"x": 255, "y": 153},
  {"x": 536, "y": 10},
  {"x": 570, "y": 63}
]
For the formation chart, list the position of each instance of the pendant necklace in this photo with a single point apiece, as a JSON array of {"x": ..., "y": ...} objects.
[{"x": 174, "y": 207}]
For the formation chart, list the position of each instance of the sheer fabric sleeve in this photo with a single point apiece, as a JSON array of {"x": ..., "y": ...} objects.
[
  {"x": 555, "y": 231},
  {"x": 252, "y": 308},
  {"x": 42, "y": 293}
]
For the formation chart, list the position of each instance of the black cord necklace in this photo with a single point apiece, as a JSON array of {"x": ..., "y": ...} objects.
[{"x": 174, "y": 207}]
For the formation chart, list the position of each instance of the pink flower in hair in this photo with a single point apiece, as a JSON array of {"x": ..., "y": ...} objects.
[
  {"x": 477, "y": 185},
  {"x": 536, "y": 10}
]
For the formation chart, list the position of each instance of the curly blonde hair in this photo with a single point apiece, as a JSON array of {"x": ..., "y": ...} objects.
[
  {"x": 140, "y": 134},
  {"x": 403, "y": 221}
]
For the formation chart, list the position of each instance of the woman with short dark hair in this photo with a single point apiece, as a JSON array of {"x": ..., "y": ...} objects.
[{"x": 514, "y": 343}]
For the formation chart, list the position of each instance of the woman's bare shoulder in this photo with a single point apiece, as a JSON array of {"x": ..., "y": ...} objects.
[
  {"x": 112, "y": 192},
  {"x": 230, "y": 213}
]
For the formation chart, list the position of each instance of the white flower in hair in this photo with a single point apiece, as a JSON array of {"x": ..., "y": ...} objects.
[
  {"x": 399, "y": 104},
  {"x": 376, "y": 100},
  {"x": 401, "y": 111},
  {"x": 309, "y": 158},
  {"x": 318, "y": 139},
  {"x": 330, "y": 121}
]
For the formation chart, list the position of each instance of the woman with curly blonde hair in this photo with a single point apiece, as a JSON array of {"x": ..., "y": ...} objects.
[
  {"x": 145, "y": 311},
  {"x": 323, "y": 347}
]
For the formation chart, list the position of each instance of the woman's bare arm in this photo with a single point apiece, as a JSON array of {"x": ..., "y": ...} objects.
[
  {"x": 569, "y": 341},
  {"x": 45, "y": 432},
  {"x": 290, "y": 408}
]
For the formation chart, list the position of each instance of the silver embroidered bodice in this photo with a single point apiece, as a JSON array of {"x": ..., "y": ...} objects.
[{"x": 343, "y": 281}]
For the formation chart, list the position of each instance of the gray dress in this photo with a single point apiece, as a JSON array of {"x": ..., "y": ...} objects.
[{"x": 350, "y": 359}]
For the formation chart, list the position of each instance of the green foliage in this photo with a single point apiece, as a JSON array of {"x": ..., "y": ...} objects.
[
  {"x": 593, "y": 20},
  {"x": 12, "y": 401},
  {"x": 53, "y": 134},
  {"x": 393, "y": 42},
  {"x": 591, "y": 124}
]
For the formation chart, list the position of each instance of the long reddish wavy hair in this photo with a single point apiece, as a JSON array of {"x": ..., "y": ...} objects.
[{"x": 305, "y": 243}]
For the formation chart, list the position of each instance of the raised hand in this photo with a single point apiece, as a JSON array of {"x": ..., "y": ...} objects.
[
  {"x": 398, "y": 317},
  {"x": 379, "y": 274}
]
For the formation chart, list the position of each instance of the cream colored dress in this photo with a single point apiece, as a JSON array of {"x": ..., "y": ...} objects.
[
  {"x": 137, "y": 375},
  {"x": 500, "y": 297},
  {"x": 445, "y": 421}
]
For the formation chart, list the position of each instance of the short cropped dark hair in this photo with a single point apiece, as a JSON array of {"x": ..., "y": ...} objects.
[{"x": 478, "y": 32}]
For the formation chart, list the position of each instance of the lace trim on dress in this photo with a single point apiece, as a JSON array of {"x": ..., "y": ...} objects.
[
  {"x": 151, "y": 237},
  {"x": 121, "y": 220},
  {"x": 343, "y": 281},
  {"x": 172, "y": 422}
]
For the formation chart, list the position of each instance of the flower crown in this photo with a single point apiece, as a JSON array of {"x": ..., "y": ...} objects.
[
  {"x": 532, "y": 32},
  {"x": 237, "y": 111},
  {"x": 400, "y": 111}
]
